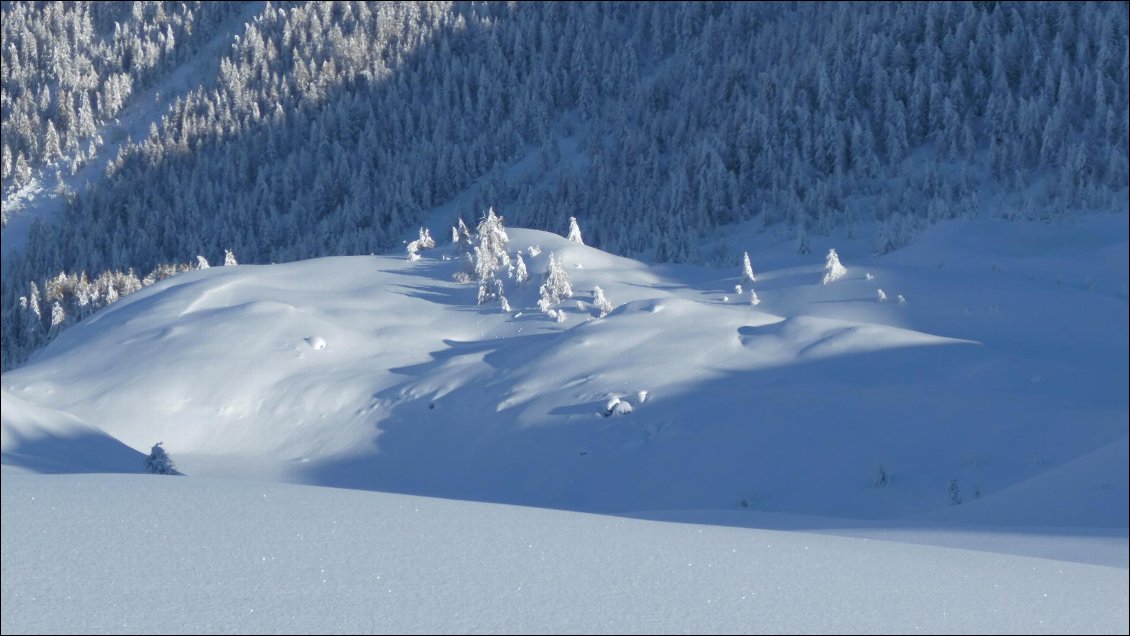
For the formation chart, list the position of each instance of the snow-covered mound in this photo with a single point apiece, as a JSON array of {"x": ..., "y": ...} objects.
[
  {"x": 380, "y": 373},
  {"x": 39, "y": 439},
  {"x": 138, "y": 554}
]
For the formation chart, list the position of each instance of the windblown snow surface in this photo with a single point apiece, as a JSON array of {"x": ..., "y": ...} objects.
[{"x": 739, "y": 494}]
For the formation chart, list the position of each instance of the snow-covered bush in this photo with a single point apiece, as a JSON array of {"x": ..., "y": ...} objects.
[
  {"x": 423, "y": 242},
  {"x": 159, "y": 462},
  {"x": 753, "y": 299},
  {"x": 201, "y": 262},
  {"x": 602, "y": 304},
  {"x": 881, "y": 296},
  {"x": 616, "y": 406}
]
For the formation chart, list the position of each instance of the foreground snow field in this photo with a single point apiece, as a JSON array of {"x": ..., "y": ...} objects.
[
  {"x": 130, "y": 554},
  {"x": 955, "y": 462}
]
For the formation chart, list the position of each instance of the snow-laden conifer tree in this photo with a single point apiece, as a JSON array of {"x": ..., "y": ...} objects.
[
  {"x": 833, "y": 270},
  {"x": 58, "y": 320},
  {"x": 955, "y": 493},
  {"x": 574, "y": 231},
  {"x": 556, "y": 287},
  {"x": 747, "y": 271},
  {"x": 229, "y": 258},
  {"x": 201, "y": 262},
  {"x": 461, "y": 235},
  {"x": 881, "y": 477},
  {"x": 753, "y": 299},
  {"x": 881, "y": 296},
  {"x": 520, "y": 273},
  {"x": 490, "y": 256},
  {"x": 502, "y": 301},
  {"x": 158, "y": 462},
  {"x": 602, "y": 304},
  {"x": 802, "y": 246}
]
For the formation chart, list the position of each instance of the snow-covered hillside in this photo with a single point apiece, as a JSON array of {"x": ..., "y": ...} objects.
[
  {"x": 380, "y": 373},
  {"x": 834, "y": 434}
]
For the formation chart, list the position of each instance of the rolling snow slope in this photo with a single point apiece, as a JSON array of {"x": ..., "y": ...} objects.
[
  {"x": 1004, "y": 373},
  {"x": 138, "y": 554},
  {"x": 379, "y": 373}
]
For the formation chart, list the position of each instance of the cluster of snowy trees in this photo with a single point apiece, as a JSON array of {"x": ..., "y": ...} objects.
[
  {"x": 333, "y": 127},
  {"x": 67, "y": 298},
  {"x": 487, "y": 261}
]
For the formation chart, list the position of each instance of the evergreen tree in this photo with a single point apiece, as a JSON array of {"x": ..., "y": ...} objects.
[
  {"x": 520, "y": 273},
  {"x": 490, "y": 256},
  {"x": 159, "y": 463},
  {"x": 747, "y": 271},
  {"x": 556, "y": 287},
  {"x": 574, "y": 231},
  {"x": 833, "y": 270},
  {"x": 955, "y": 493}
]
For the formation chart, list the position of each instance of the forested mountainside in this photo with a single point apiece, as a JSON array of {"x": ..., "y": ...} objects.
[{"x": 340, "y": 127}]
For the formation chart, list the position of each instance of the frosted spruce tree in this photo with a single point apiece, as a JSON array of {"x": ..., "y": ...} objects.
[
  {"x": 520, "y": 273},
  {"x": 491, "y": 257},
  {"x": 955, "y": 493},
  {"x": 881, "y": 477},
  {"x": 556, "y": 287},
  {"x": 833, "y": 270},
  {"x": 574, "y": 231},
  {"x": 461, "y": 236},
  {"x": 747, "y": 271},
  {"x": 58, "y": 320},
  {"x": 229, "y": 258},
  {"x": 159, "y": 462}
]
